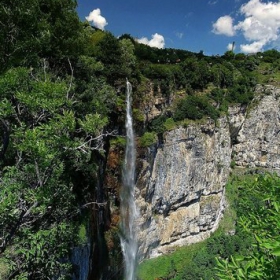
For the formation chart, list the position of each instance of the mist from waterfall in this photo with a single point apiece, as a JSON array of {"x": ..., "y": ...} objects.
[{"x": 129, "y": 211}]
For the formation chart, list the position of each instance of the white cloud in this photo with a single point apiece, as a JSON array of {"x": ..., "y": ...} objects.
[
  {"x": 97, "y": 19},
  {"x": 224, "y": 26},
  {"x": 262, "y": 21},
  {"x": 260, "y": 26},
  {"x": 253, "y": 47},
  {"x": 157, "y": 41}
]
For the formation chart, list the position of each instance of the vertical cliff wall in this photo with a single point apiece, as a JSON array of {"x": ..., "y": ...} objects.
[
  {"x": 258, "y": 140},
  {"x": 181, "y": 180},
  {"x": 180, "y": 186}
]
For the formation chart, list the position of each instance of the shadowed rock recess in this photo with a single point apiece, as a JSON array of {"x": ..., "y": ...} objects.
[{"x": 180, "y": 182}]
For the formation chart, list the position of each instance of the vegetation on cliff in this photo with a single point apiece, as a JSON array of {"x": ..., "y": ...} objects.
[{"x": 61, "y": 102}]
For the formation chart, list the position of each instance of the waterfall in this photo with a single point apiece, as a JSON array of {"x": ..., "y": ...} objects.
[{"x": 128, "y": 206}]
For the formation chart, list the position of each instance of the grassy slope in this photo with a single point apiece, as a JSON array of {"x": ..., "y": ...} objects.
[{"x": 164, "y": 266}]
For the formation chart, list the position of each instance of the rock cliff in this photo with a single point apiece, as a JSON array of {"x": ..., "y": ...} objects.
[
  {"x": 257, "y": 142},
  {"x": 180, "y": 183},
  {"x": 181, "y": 194}
]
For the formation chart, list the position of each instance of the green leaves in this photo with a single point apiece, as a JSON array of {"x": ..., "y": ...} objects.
[
  {"x": 93, "y": 123},
  {"x": 262, "y": 222},
  {"x": 195, "y": 107},
  {"x": 40, "y": 254},
  {"x": 51, "y": 147}
]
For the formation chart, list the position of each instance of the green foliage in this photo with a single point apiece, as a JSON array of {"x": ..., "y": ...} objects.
[
  {"x": 39, "y": 253},
  {"x": 148, "y": 139},
  {"x": 87, "y": 67},
  {"x": 240, "y": 92},
  {"x": 196, "y": 261},
  {"x": 82, "y": 235},
  {"x": 271, "y": 55},
  {"x": 118, "y": 142},
  {"x": 197, "y": 72},
  {"x": 138, "y": 115},
  {"x": 162, "y": 76},
  {"x": 163, "y": 265},
  {"x": 128, "y": 59},
  {"x": 4, "y": 269},
  {"x": 157, "y": 124},
  {"x": 95, "y": 96},
  {"x": 110, "y": 53},
  {"x": 48, "y": 143},
  {"x": 258, "y": 217},
  {"x": 33, "y": 29},
  {"x": 232, "y": 164},
  {"x": 169, "y": 124},
  {"x": 195, "y": 107},
  {"x": 222, "y": 74}
]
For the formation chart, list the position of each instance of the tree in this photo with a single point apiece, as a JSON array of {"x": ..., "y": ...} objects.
[
  {"x": 197, "y": 72},
  {"x": 260, "y": 219},
  {"x": 128, "y": 59},
  {"x": 222, "y": 75},
  {"x": 35, "y": 29},
  {"x": 194, "y": 107},
  {"x": 48, "y": 148},
  {"x": 271, "y": 55},
  {"x": 110, "y": 54}
]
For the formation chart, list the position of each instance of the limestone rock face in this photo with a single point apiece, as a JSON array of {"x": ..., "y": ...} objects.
[
  {"x": 181, "y": 187},
  {"x": 258, "y": 141},
  {"x": 180, "y": 182},
  {"x": 153, "y": 101}
]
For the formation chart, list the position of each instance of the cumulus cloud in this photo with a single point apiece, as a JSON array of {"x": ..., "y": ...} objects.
[
  {"x": 97, "y": 19},
  {"x": 253, "y": 47},
  {"x": 262, "y": 22},
  {"x": 260, "y": 26},
  {"x": 224, "y": 26},
  {"x": 157, "y": 41}
]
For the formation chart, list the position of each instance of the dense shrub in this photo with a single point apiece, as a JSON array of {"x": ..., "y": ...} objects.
[
  {"x": 157, "y": 124},
  {"x": 194, "y": 108},
  {"x": 148, "y": 139},
  {"x": 240, "y": 94},
  {"x": 169, "y": 124},
  {"x": 258, "y": 218}
]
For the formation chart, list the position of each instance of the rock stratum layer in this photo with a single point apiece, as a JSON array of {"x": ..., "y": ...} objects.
[{"x": 180, "y": 184}]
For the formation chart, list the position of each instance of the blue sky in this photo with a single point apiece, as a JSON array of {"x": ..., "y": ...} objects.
[{"x": 194, "y": 25}]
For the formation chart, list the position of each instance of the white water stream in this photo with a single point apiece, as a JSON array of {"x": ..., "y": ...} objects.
[{"x": 129, "y": 211}]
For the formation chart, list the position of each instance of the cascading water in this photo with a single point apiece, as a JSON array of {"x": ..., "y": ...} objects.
[{"x": 128, "y": 206}]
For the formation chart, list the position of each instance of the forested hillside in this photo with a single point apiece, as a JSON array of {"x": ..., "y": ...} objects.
[{"x": 61, "y": 104}]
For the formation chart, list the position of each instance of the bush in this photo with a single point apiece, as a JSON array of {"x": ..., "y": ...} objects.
[
  {"x": 157, "y": 124},
  {"x": 258, "y": 219},
  {"x": 118, "y": 142},
  {"x": 169, "y": 124},
  {"x": 148, "y": 139},
  {"x": 195, "y": 108}
]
